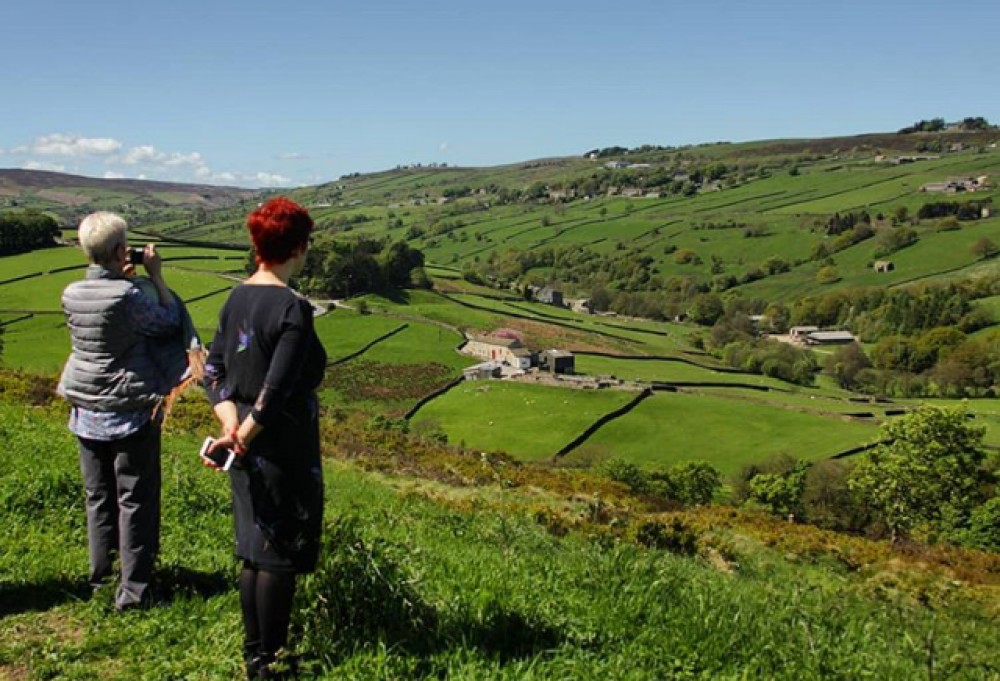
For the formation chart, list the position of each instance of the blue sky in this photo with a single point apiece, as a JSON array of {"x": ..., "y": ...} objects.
[{"x": 259, "y": 93}]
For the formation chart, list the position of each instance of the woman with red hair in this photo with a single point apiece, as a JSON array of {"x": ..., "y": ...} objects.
[{"x": 262, "y": 372}]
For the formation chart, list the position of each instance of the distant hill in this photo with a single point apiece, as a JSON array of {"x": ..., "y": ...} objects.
[{"x": 70, "y": 196}]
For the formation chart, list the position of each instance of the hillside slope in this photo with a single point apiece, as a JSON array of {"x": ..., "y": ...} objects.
[{"x": 424, "y": 580}]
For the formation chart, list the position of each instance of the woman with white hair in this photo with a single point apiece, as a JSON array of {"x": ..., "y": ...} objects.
[{"x": 114, "y": 386}]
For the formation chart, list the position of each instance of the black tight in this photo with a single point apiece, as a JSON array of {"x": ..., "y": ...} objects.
[{"x": 266, "y": 599}]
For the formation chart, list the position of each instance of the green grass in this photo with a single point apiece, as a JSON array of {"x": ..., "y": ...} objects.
[
  {"x": 435, "y": 308},
  {"x": 530, "y": 421},
  {"x": 727, "y": 433},
  {"x": 413, "y": 589},
  {"x": 40, "y": 261},
  {"x": 39, "y": 344},
  {"x": 343, "y": 332},
  {"x": 666, "y": 371}
]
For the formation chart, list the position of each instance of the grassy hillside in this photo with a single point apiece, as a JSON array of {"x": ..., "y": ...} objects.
[
  {"x": 70, "y": 197},
  {"x": 419, "y": 580}
]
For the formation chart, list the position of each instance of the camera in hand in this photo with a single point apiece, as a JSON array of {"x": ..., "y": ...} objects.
[{"x": 135, "y": 256}]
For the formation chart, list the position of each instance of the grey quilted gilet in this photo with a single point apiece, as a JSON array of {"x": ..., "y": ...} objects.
[{"x": 109, "y": 367}]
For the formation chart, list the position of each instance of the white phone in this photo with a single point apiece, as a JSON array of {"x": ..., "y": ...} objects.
[{"x": 220, "y": 458}]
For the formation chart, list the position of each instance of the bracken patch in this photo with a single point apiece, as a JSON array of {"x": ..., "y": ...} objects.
[{"x": 365, "y": 380}]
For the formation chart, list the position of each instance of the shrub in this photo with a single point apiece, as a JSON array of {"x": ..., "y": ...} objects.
[
  {"x": 827, "y": 275},
  {"x": 827, "y": 500},
  {"x": 628, "y": 474},
  {"x": 983, "y": 531},
  {"x": 780, "y": 493},
  {"x": 675, "y": 536},
  {"x": 685, "y": 256}
]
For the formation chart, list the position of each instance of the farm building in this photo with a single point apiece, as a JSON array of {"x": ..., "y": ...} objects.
[
  {"x": 829, "y": 337},
  {"x": 520, "y": 358},
  {"x": 957, "y": 185},
  {"x": 549, "y": 295},
  {"x": 557, "y": 361},
  {"x": 581, "y": 305},
  {"x": 501, "y": 350},
  {"x": 799, "y": 333},
  {"x": 482, "y": 371},
  {"x": 883, "y": 266}
]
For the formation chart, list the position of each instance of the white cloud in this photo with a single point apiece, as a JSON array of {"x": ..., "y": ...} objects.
[
  {"x": 44, "y": 165},
  {"x": 443, "y": 146},
  {"x": 176, "y": 159},
  {"x": 147, "y": 154},
  {"x": 142, "y": 161},
  {"x": 58, "y": 144},
  {"x": 271, "y": 180},
  {"x": 140, "y": 154}
]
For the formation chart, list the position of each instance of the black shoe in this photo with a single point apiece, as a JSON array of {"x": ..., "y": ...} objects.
[
  {"x": 251, "y": 658},
  {"x": 268, "y": 666},
  {"x": 150, "y": 598}
]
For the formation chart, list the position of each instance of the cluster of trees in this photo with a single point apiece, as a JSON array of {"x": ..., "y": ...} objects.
[
  {"x": 873, "y": 313},
  {"x": 344, "y": 223},
  {"x": 943, "y": 361},
  {"x": 343, "y": 269},
  {"x": 933, "y": 125},
  {"x": 25, "y": 231},
  {"x": 607, "y": 152},
  {"x": 970, "y": 210},
  {"x": 928, "y": 478},
  {"x": 692, "y": 483},
  {"x": 734, "y": 339}
]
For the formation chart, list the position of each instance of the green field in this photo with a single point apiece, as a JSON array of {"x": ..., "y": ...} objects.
[
  {"x": 40, "y": 343},
  {"x": 531, "y": 421},
  {"x": 727, "y": 433}
]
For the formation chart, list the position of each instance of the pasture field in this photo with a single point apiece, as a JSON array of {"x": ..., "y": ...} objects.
[
  {"x": 652, "y": 370},
  {"x": 416, "y": 588},
  {"x": 343, "y": 332},
  {"x": 391, "y": 375},
  {"x": 727, "y": 433},
  {"x": 531, "y": 422},
  {"x": 205, "y": 312},
  {"x": 419, "y": 343},
  {"x": 43, "y": 260},
  {"x": 659, "y": 338},
  {"x": 39, "y": 344},
  {"x": 38, "y": 294},
  {"x": 434, "y": 307}
]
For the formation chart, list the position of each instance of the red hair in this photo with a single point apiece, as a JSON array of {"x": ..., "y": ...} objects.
[{"x": 279, "y": 227}]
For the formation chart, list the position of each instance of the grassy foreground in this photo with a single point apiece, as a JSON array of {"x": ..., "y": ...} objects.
[{"x": 414, "y": 584}]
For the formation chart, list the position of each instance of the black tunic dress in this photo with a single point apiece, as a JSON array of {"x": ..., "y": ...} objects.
[{"x": 267, "y": 359}]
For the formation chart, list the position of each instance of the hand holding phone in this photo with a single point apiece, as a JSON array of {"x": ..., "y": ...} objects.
[{"x": 221, "y": 457}]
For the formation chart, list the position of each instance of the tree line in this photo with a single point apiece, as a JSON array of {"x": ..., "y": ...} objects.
[{"x": 25, "y": 231}]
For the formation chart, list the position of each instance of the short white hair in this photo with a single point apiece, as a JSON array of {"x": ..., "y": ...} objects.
[{"x": 100, "y": 235}]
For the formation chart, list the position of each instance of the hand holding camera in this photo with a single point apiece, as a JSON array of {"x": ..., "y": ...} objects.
[{"x": 151, "y": 261}]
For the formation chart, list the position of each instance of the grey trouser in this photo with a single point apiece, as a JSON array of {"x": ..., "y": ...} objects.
[{"x": 122, "y": 479}]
